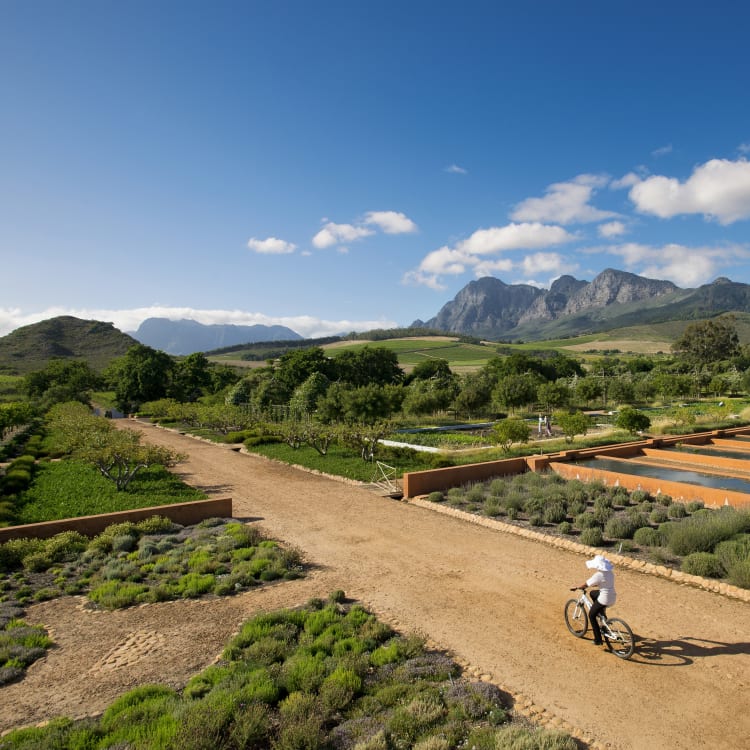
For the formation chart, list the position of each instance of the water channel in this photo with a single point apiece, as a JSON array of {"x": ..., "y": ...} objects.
[{"x": 685, "y": 476}]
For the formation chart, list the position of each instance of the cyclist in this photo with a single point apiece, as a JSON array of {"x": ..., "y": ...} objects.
[{"x": 604, "y": 595}]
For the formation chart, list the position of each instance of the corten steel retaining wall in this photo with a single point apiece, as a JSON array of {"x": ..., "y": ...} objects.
[
  {"x": 710, "y": 496},
  {"x": 417, "y": 483},
  {"x": 722, "y": 464},
  {"x": 422, "y": 482},
  {"x": 182, "y": 513}
]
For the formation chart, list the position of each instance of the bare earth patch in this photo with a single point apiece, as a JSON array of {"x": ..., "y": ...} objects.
[{"x": 491, "y": 599}]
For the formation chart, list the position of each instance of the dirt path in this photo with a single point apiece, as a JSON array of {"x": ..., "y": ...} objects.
[{"x": 493, "y": 599}]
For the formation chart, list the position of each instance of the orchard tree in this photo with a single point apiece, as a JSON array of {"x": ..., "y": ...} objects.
[
  {"x": 553, "y": 395},
  {"x": 512, "y": 391},
  {"x": 15, "y": 414},
  {"x": 632, "y": 420},
  {"x": 370, "y": 365},
  {"x": 573, "y": 424},
  {"x": 118, "y": 454},
  {"x": 709, "y": 341},
  {"x": 475, "y": 393},
  {"x": 509, "y": 431},
  {"x": 191, "y": 377}
]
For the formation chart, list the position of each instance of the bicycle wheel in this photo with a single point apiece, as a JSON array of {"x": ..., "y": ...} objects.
[
  {"x": 619, "y": 638},
  {"x": 576, "y": 618}
]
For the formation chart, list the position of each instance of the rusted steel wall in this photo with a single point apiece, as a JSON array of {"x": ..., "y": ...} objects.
[
  {"x": 720, "y": 463},
  {"x": 182, "y": 513},
  {"x": 422, "y": 482},
  {"x": 711, "y": 497}
]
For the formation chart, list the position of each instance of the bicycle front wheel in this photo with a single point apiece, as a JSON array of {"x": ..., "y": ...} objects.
[
  {"x": 576, "y": 618},
  {"x": 620, "y": 640}
]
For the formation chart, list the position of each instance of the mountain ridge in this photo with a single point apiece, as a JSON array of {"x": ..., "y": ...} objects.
[{"x": 488, "y": 307}]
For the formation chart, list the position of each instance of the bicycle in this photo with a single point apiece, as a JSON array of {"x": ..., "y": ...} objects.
[{"x": 616, "y": 633}]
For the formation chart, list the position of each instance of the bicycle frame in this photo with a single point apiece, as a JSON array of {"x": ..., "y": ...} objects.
[{"x": 616, "y": 633}]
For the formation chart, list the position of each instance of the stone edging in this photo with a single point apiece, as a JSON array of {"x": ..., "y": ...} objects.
[{"x": 707, "y": 584}]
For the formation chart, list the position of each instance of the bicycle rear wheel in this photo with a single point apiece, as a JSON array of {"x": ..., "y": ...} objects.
[
  {"x": 619, "y": 638},
  {"x": 576, "y": 618}
]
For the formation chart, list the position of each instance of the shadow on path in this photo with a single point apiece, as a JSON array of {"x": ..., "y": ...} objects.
[{"x": 683, "y": 651}]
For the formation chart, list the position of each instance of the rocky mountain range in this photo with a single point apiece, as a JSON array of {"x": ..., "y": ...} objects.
[
  {"x": 188, "y": 336},
  {"x": 492, "y": 309}
]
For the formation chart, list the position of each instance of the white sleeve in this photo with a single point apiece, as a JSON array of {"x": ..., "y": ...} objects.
[{"x": 595, "y": 580}]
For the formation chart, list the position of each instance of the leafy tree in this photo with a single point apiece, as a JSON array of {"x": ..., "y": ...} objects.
[
  {"x": 512, "y": 391},
  {"x": 305, "y": 397},
  {"x": 296, "y": 367},
  {"x": 509, "y": 431},
  {"x": 429, "y": 396},
  {"x": 430, "y": 369},
  {"x": 14, "y": 414},
  {"x": 709, "y": 341},
  {"x": 320, "y": 436},
  {"x": 62, "y": 380},
  {"x": 587, "y": 389},
  {"x": 365, "y": 437},
  {"x": 368, "y": 366},
  {"x": 621, "y": 390},
  {"x": 117, "y": 453},
  {"x": 191, "y": 377},
  {"x": 632, "y": 420},
  {"x": 553, "y": 395},
  {"x": 573, "y": 424},
  {"x": 143, "y": 374},
  {"x": 474, "y": 394}
]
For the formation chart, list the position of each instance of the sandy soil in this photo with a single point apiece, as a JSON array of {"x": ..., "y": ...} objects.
[{"x": 493, "y": 600}]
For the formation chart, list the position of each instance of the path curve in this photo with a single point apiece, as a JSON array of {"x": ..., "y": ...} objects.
[{"x": 494, "y": 600}]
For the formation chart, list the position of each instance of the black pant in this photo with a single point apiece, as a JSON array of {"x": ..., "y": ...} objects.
[{"x": 596, "y": 609}]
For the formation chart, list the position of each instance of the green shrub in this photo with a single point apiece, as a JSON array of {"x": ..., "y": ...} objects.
[
  {"x": 555, "y": 513},
  {"x": 701, "y": 533},
  {"x": 695, "y": 505},
  {"x": 733, "y": 551},
  {"x": 117, "y": 594},
  {"x": 639, "y": 496},
  {"x": 592, "y": 537},
  {"x": 565, "y": 527},
  {"x": 519, "y": 738},
  {"x": 436, "y": 497},
  {"x": 738, "y": 574},
  {"x": 658, "y": 515},
  {"x": 621, "y": 527},
  {"x": 704, "y": 564},
  {"x": 647, "y": 537},
  {"x": 677, "y": 510},
  {"x": 663, "y": 499},
  {"x": 586, "y": 521}
]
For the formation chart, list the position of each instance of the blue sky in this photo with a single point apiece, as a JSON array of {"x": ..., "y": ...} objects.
[{"x": 334, "y": 166}]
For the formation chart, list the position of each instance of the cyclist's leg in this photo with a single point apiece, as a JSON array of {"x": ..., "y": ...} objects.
[{"x": 596, "y": 609}]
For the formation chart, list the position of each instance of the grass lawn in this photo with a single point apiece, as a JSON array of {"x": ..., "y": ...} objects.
[{"x": 68, "y": 489}]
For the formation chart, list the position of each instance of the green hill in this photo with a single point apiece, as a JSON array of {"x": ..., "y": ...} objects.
[{"x": 31, "y": 347}]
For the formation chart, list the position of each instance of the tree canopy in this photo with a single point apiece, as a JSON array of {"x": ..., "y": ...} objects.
[{"x": 709, "y": 341}]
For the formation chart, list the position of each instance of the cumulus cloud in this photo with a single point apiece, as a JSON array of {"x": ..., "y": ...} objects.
[
  {"x": 455, "y": 169},
  {"x": 626, "y": 181},
  {"x": 718, "y": 189},
  {"x": 744, "y": 148},
  {"x": 129, "y": 320},
  {"x": 472, "y": 252},
  {"x": 552, "y": 263},
  {"x": 271, "y": 246},
  {"x": 391, "y": 222},
  {"x": 334, "y": 234},
  {"x": 685, "y": 266},
  {"x": 611, "y": 229},
  {"x": 565, "y": 203}
]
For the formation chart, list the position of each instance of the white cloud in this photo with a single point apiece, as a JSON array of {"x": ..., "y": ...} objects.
[
  {"x": 544, "y": 263},
  {"x": 685, "y": 266},
  {"x": 333, "y": 234},
  {"x": 524, "y": 236},
  {"x": 611, "y": 229},
  {"x": 718, "y": 189},
  {"x": 626, "y": 181},
  {"x": 744, "y": 148},
  {"x": 455, "y": 169},
  {"x": 472, "y": 252},
  {"x": 565, "y": 203},
  {"x": 271, "y": 246},
  {"x": 129, "y": 320},
  {"x": 391, "y": 222},
  {"x": 662, "y": 151}
]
